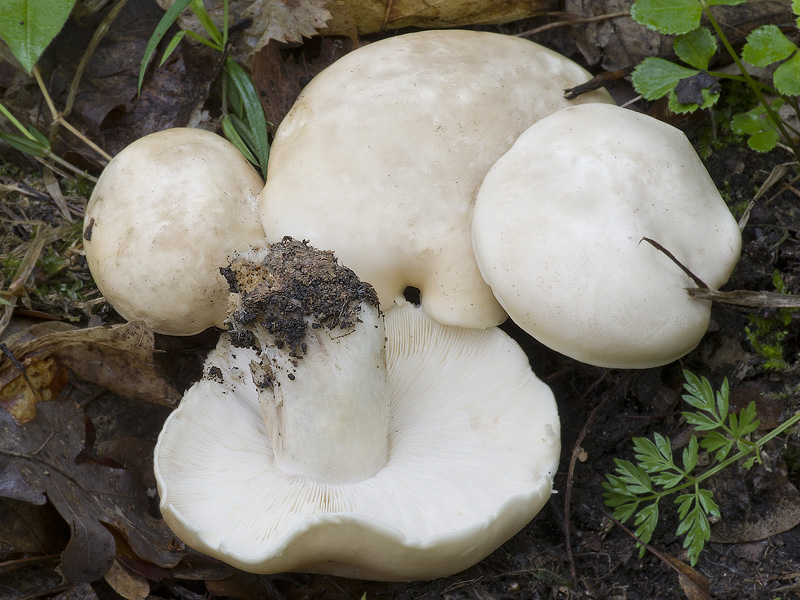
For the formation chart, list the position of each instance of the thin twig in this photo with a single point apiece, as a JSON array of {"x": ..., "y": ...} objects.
[
  {"x": 576, "y": 20},
  {"x": 680, "y": 265}
]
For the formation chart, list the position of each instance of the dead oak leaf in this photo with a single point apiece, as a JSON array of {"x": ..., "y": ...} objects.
[
  {"x": 40, "y": 456},
  {"x": 118, "y": 358},
  {"x": 286, "y": 20}
]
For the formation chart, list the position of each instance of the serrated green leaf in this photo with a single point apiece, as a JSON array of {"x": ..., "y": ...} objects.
[
  {"x": 668, "y": 16},
  {"x": 626, "y": 511},
  {"x": 787, "y": 77},
  {"x": 701, "y": 421},
  {"x": 28, "y": 26},
  {"x": 684, "y": 502},
  {"x": 690, "y": 455},
  {"x": 706, "y": 498},
  {"x": 767, "y": 45},
  {"x": 667, "y": 480},
  {"x": 722, "y": 399},
  {"x": 654, "y": 77},
  {"x": 696, "y": 47},
  {"x": 748, "y": 464}
]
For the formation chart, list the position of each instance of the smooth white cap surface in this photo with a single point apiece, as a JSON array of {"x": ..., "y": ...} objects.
[
  {"x": 558, "y": 228},
  {"x": 165, "y": 215},
  {"x": 473, "y": 447},
  {"x": 383, "y": 152}
]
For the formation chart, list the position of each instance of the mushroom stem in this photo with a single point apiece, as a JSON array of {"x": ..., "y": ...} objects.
[{"x": 321, "y": 371}]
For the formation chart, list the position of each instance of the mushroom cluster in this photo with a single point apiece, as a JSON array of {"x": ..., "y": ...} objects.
[
  {"x": 339, "y": 429},
  {"x": 311, "y": 445}
]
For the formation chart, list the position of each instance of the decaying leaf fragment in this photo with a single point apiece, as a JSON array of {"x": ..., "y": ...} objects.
[
  {"x": 38, "y": 459},
  {"x": 292, "y": 20},
  {"x": 119, "y": 358},
  {"x": 42, "y": 381}
]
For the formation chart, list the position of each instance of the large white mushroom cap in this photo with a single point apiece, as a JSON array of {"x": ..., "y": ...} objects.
[
  {"x": 473, "y": 445},
  {"x": 383, "y": 152},
  {"x": 558, "y": 233},
  {"x": 166, "y": 213}
]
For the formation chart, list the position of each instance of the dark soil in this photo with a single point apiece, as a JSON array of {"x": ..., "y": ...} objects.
[{"x": 572, "y": 549}]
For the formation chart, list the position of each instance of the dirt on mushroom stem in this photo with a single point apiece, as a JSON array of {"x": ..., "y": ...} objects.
[{"x": 288, "y": 287}]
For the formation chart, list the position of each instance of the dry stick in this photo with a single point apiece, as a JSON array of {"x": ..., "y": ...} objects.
[
  {"x": 746, "y": 298},
  {"x": 572, "y": 21},
  {"x": 61, "y": 121},
  {"x": 573, "y": 459}
]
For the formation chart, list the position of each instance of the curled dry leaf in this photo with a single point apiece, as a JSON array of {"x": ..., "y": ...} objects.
[
  {"x": 39, "y": 458},
  {"x": 119, "y": 358}
]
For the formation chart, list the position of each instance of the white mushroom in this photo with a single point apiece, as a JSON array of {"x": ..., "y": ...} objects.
[
  {"x": 383, "y": 152},
  {"x": 558, "y": 234},
  {"x": 166, "y": 213},
  {"x": 302, "y": 449}
]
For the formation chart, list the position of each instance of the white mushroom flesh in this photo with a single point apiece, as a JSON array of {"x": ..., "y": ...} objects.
[
  {"x": 167, "y": 211},
  {"x": 383, "y": 152},
  {"x": 471, "y": 448},
  {"x": 558, "y": 233}
]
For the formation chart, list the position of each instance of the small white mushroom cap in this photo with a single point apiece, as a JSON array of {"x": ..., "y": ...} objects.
[
  {"x": 473, "y": 445},
  {"x": 383, "y": 152},
  {"x": 558, "y": 228},
  {"x": 166, "y": 213}
]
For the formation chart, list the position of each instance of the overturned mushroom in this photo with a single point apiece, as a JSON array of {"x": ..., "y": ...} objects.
[
  {"x": 558, "y": 233},
  {"x": 167, "y": 211},
  {"x": 308, "y": 447},
  {"x": 383, "y": 152}
]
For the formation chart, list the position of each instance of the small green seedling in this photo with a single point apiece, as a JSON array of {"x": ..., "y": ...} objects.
[
  {"x": 693, "y": 87},
  {"x": 243, "y": 120},
  {"x": 635, "y": 489}
]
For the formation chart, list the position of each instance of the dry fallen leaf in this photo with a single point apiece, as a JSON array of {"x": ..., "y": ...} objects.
[
  {"x": 39, "y": 458},
  {"x": 126, "y": 583},
  {"x": 42, "y": 380},
  {"x": 119, "y": 358},
  {"x": 693, "y": 584}
]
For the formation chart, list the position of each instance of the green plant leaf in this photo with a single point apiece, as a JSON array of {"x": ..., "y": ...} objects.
[
  {"x": 766, "y": 45},
  {"x": 254, "y": 113},
  {"x": 696, "y": 47},
  {"x": 161, "y": 29},
  {"x": 787, "y": 77},
  {"x": 757, "y": 124},
  {"x": 796, "y": 10},
  {"x": 708, "y": 97},
  {"x": 690, "y": 455},
  {"x": 668, "y": 16},
  {"x": 231, "y": 126},
  {"x": 26, "y": 145},
  {"x": 28, "y": 26},
  {"x": 654, "y": 77}
]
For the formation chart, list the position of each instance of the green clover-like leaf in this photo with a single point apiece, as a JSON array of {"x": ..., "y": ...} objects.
[
  {"x": 668, "y": 16},
  {"x": 787, "y": 77},
  {"x": 654, "y": 77},
  {"x": 767, "y": 45},
  {"x": 696, "y": 47}
]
